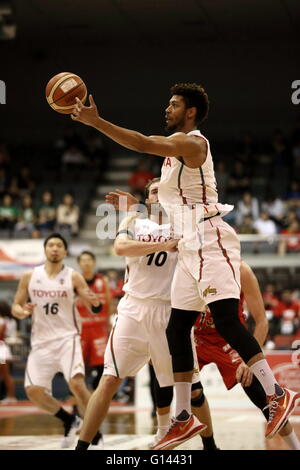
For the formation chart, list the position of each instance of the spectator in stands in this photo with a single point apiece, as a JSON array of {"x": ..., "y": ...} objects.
[
  {"x": 247, "y": 206},
  {"x": 46, "y": 213},
  {"x": 247, "y": 227},
  {"x": 26, "y": 219},
  {"x": 68, "y": 215},
  {"x": 97, "y": 150},
  {"x": 8, "y": 213},
  {"x": 239, "y": 181},
  {"x": 140, "y": 177},
  {"x": 290, "y": 244},
  {"x": 288, "y": 311},
  {"x": 293, "y": 197},
  {"x": 275, "y": 207},
  {"x": 8, "y": 327},
  {"x": 264, "y": 225},
  {"x": 23, "y": 183},
  {"x": 72, "y": 158},
  {"x": 222, "y": 177}
]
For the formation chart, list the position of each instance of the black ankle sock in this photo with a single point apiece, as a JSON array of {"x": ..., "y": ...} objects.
[
  {"x": 96, "y": 438},
  {"x": 82, "y": 445},
  {"x": 209, "y": 443},
  {"x": 64, "y": 416},
  {"x": 183, "y": 416}
]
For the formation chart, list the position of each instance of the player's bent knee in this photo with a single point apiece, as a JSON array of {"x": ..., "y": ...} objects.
[
  {"x": 33, "y": 392},
  {"x": 77, "y": 383}
]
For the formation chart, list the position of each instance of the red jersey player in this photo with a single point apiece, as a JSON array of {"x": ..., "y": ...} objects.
[{"x": 95, "y": 328}]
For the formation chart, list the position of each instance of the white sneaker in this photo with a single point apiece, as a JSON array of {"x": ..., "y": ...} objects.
[
  {"x": 8, "y": 401},
  {"x": 99, "y": 446},
  {"x": 70, "y": 434}
]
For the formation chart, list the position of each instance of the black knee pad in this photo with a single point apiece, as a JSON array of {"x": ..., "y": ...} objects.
[
  {"x": 229, "y": 326},
  {"x": 199, "y": 400},
  {"x": 179, "y": 339}
]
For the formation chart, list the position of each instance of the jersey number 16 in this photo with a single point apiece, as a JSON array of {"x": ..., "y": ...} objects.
[{"x": 51, "y": 308}]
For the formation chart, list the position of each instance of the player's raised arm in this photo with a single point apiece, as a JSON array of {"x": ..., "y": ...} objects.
[
  {"x": 85, "y": 293},
  {"x": 255, "y": 303},
  {"x": 177, "y": 145},
  {"x": 125, "y": 245},
  {"x": 20, "y": 307}
]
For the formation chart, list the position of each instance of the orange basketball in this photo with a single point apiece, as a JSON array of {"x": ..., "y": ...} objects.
[{"x": 62, "y": 90}]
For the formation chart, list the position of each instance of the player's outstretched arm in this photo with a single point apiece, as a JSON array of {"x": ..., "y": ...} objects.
[
  {"x": 125, "y": 245},
  {"x": 20, "y": 307},
  {"x": 255, "y": 303},
  {"x": 177, "y": 145}
]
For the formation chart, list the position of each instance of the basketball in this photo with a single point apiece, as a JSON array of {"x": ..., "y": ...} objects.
[{"x": 62, "y": 89}]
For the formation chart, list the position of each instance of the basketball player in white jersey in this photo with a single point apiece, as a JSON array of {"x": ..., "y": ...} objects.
[
  {"x": 208, "y": 268},
  {"x": 138, "y": 334},
  {"x": 55, "y": 338}
]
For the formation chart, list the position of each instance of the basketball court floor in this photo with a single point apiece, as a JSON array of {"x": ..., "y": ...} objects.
[{"x": 238, "y": 425}]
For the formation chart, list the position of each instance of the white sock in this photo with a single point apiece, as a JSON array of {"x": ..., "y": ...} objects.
[
  {"x": 264, "y": 374},
  {"x": 163, "y": 424},
  {"x": 182, "y": 397},
  {"x": 292, "y": 441}
]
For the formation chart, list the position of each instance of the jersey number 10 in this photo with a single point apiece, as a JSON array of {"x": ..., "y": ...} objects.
[{"x": 160, "y": 259}]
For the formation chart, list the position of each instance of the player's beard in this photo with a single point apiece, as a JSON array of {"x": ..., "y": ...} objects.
[
  {"x": 55, "y": 259},
  {"x": 169, "y": 130}
]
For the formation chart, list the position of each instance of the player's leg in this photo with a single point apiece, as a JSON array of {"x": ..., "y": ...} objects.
[
  {"x": 185, "y": 305},
  {"x": 8, "y": 381},
  {"x": 184, "y": 426},
  {"x": 200, "y": 408},
  {"x": 221, "y": 249},
  {"x": 97, "y": 409},
  {"x": 40, "y": 370},
  {"x": 125, "y": 354}
]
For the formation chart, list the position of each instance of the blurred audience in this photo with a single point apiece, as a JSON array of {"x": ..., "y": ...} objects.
[
  {"x": 26, "y": 218},
  {"x": 68, "y": 215},
  {"x": 248, "y": 205},
  {"x": 8, "y": 213},
  {"x": 46, "y": 213},
  {"x": 264, "y": 225}
]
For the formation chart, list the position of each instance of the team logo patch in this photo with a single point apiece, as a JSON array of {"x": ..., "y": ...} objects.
[
  {"x": 209, "y": 290},
  {"x": 61, "y": 281}
]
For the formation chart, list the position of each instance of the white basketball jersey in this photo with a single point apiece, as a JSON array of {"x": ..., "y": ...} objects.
[
  {"x": 150, "y": 276},
  {"x": 54, "y": 316},
  {"x": 184, "y": 187}
]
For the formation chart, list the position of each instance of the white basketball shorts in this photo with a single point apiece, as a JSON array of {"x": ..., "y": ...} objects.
[
  {"x": 208, "y": 267},
  {"x": 44, "y": 361}
]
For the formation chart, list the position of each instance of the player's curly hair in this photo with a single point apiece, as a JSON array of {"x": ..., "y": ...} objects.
[{"x": 193, "y": 95}]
